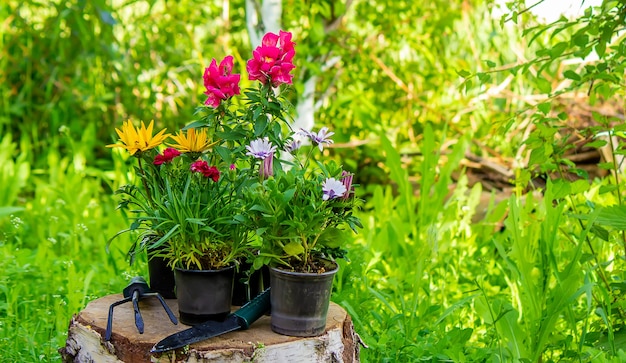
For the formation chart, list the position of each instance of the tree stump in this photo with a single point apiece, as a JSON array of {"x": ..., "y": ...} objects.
[{"x": 85, "y": 341}]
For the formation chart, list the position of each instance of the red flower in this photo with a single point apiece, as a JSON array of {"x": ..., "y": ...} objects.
[
  {"x": 220, "y": 83},
  {"x": 168, "y": 155},
  {"x": 210, "y": 172},
  {"x": 273, "y": 60}
]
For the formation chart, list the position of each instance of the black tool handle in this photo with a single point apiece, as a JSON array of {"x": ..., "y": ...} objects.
[
  {"x": 137, "y": 283},
  {"x": 254, "y": 309}
]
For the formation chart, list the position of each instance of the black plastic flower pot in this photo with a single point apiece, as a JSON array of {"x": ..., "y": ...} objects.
[
  {"x": 204, "y": 295},
  {"x": 300, "y": 301},
  {"x": 161, "y": 276},
  {"x": 246, "y": 289}
]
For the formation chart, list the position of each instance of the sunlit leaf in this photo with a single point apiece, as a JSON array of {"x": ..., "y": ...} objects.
[
  {"x": 293, "y": 249},
  {"x": 613, "y": 216}
]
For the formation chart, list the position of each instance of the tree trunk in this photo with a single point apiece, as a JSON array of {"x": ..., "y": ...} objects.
[{"x": 85, "y": 341}]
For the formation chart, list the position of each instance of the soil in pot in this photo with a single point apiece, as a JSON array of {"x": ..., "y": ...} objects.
[
  {"x": 300, "y": 301},
  {"x": 204, "y": 295}
]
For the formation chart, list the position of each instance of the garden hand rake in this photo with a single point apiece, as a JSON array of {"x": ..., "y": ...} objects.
[{"x": 137, "y": 289}]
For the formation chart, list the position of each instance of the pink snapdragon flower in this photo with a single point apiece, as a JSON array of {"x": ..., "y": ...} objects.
[
  {"x": 220, "y": 83},
  {"x": 168, "y": 155},
  {"x": 210, "y": 172},
  {"x": 273, "y": 60}
]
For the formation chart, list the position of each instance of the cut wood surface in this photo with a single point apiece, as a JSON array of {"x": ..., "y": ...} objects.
[{"x": 85, "y": 342}]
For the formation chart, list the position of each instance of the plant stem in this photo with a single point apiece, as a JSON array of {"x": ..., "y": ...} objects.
[
  {"x": 617, "y": 185},
  {"x": 493, "y": 317},
  {"x": 143, "y": 180},
  {"x": 582, "y": 226},
  {"x": 306, "y": 250}
]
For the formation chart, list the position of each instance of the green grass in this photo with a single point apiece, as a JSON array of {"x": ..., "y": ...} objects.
[
  {"x": 424, "y": 283},
  {"x": 54, "y": 261},
  {"x": 534, "y": 280}
]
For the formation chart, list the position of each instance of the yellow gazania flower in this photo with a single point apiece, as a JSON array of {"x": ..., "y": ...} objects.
[
  {"x": 139, "y": 138},
  {"x": 192, "y": 141}
]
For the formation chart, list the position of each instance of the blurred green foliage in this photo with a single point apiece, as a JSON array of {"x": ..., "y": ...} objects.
[
  {"x": 82, "y": 67},
  {"x": 408, "y": 87},
  {"x": 85, "y": 66}
]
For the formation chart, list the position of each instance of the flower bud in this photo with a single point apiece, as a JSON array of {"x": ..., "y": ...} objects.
[
  {"x": 346, "y": 180},
  {"x": 267, "y": 166}
]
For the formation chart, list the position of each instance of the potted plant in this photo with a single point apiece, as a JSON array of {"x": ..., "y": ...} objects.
[
  {"x": 301, "y": 215},
  {"x": 300, "y": 210},
  {"x": 261, "y": 112},
  {"x": 138, "y": 196},
  {"x": 188, "y": 205},
  {"x": 189, "y": 194},
  {"x": 198, "y": 217},
  {"x": 237, "y": 170}
]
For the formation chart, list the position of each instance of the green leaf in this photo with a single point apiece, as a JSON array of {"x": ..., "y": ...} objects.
[
  {"x": 597, "y": 144},
  {"x": 260, "y": 125},
  {"x": 514, "y": 70},
  {"x": 607, "y": 189},
  {"x": 538, "y": 156},
  {"x": 613, "y": 216},
  {"x": 544, "y": 85},
  {"x": 600, "y": 48},
  {"x": 293, "y": 249},
  {"x": 288, "y": 195},
  {"x": 600, "y": 232},
  {"x": 463, "y": 73},
  {"x": 193, "y": 125},
  {"x": 571, "y": 75},
  {"x": 558, "y": 49},
  {"x": 561, "y": 188},
  {"x": 332, "y": 238},
  {"x": 224, "y": 153},
  {"x": 484, "y": 77},
  {"x": 468, "y": 85},
  {"x": 579, "y": 186},
  {"x": 581, "y": 40},
  {"x": 544, "y": 107},
  {"x": 259, "y": 208},
  {"x": 6, "y": 211},
  {"x": 606, "y": 166}
]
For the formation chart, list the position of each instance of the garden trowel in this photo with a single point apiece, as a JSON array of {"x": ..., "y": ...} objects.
[{"x": 240, "y": 319}]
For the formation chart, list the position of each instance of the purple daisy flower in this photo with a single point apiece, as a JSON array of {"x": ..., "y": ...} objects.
[
  {"x": 260, "y": 148},
  {"x": 333, "y": 188},
  {"x": 321, "y": 137},
  {"x": 294, "y": 145}
]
